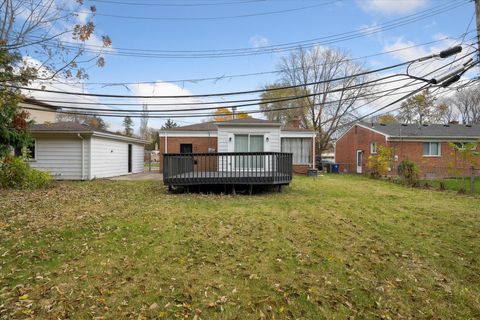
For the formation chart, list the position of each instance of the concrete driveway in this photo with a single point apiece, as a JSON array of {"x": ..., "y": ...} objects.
[{"x": 140, "y": 176}]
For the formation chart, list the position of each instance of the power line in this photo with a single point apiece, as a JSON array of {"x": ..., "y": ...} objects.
[
  {"x": 226, "y": 103},
  {"x": 226, "y": 76},
  {"x": 201, "y": 4},
  {"x": 325, "y": 40},
  {"x": 215, "y": 108},
  {"x": 214, "y": 94},
  {"x": 213, "y": 18}
]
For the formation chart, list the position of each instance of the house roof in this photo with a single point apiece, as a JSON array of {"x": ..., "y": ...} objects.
[
  {"x": 202, "y": 126},
  {"x": 39, "y": 103},
  {"x": 425, "y": 131},
  {"x": 212, "y": 125},
  {"x": 73, "y": 127}
]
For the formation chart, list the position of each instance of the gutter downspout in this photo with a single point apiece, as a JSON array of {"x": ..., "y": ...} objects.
[{"x": 83, "y": 155}]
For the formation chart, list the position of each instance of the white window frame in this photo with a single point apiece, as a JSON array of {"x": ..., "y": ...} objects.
[
  {"x": 373, "y": 147},
  {"x": 430, "y": 148}
]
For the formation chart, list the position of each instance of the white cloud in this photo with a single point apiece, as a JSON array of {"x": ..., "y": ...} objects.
[
  {"x": 258, "y": 41},
  {"x": 391, "y": 6}
]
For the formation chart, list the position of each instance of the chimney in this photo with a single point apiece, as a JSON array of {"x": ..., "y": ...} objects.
[{"x": 296, "y": 122}]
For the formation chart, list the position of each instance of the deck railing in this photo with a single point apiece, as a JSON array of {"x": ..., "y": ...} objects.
[{"x": 227, "y": 168}]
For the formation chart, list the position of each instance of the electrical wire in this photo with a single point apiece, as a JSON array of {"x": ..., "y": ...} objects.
[
  {"x": 226, "y": 76},
  {"x": 214, "y": 94}
]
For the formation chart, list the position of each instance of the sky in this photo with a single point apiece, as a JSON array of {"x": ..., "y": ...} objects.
[{"x": 199, "y": 25}]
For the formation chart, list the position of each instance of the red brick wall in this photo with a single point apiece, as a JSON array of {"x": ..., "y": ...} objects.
[
  {"x": 199, "y": 145},
  {"x": 300, "y": 169},
  {"x": 430, "y": 167},
  {"x": 357, "y": 138}
]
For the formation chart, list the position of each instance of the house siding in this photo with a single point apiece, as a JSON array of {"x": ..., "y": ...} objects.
[
  {"x": 224, "y": 141},
  {"x": 110, "y": 157},
  {"x": 62, "y": 157}
]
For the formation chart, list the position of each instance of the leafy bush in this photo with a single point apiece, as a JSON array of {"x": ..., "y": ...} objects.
[
  {"x": 379, "y": 165},
  {"x": 408, "y": 171},
  {"x": 15, "y": 173}
]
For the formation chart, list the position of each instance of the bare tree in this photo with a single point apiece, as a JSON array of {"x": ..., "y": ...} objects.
[
  {"x": 446, "y": 110},
  {"x": 325, "y": 111},
  {"x": 54, "y": 33},
  {"x": 467, "y": 101}
]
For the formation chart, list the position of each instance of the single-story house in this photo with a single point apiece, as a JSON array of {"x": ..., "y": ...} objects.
[
  {"x": 242, "y": 135},
  {"x": 39, "y": 112},
  {"x": 426, "y": 145},
  {"x": 72, "y": 151}
]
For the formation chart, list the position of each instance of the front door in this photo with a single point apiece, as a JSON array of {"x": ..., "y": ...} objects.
[
  {"x": 359, "y": 161},
  {"x": 129, "y": 158},
  {"x": 187, "y": 162}
]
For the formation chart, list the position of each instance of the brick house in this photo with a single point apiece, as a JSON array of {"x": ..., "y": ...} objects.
[
  {"x": 241, "y": 135},
  {"x": 426, "y": 145}
]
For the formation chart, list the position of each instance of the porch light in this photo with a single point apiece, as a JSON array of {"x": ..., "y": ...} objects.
[{"x": 267, "y": 139}]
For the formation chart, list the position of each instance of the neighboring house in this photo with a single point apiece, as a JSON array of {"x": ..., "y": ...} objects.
[
  {"x": 242, "y": 135},
  {"x": 39, "y": 112},
  {"x": 72, "y": 151},
  {"x": 426, "y": 145}
]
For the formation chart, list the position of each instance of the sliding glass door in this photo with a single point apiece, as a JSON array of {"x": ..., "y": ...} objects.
[{"x": 248, "y": 143}]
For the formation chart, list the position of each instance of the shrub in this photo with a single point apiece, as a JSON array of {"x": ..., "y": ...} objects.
[
  {"x": 380, "y": 164},
  {"x": 408, "y": 171},
  {"x": 15, "y": 173}
]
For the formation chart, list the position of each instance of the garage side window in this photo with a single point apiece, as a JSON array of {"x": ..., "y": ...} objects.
[{"x": 300, "y": 148}]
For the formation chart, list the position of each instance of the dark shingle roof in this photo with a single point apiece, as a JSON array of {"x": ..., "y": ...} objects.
[
  {"x": 212, "y": 125},
  {"x": 203, "y": 126},
  {"x": 72, "y": 127},
  {"x": 39, "y": 103},
  {"x": 249, "y": 121},
  {"x": 431, "y": 130}
]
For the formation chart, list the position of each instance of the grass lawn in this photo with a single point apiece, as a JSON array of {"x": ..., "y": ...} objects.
[
  {"x": 455, "y": 184},
  {"x": 330, "y": 247}
]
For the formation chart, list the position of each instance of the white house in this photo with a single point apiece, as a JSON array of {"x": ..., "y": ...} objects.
[
  {"x": 38, "y": 111},
  {"x": 72, "y": 151},
  {"x": 242, "y": 135}
]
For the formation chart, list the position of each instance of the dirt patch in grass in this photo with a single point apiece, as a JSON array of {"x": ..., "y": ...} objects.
[{"x": 330, "y": 247}]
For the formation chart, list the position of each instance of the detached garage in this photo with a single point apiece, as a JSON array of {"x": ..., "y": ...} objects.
[{"x": 72, "y": 151}]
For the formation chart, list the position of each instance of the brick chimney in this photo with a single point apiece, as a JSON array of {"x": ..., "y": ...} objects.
[{"x": 296, "y": 122}]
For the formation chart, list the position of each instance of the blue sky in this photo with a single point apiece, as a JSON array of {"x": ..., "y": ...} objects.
[{"x": 322, "y": 18}]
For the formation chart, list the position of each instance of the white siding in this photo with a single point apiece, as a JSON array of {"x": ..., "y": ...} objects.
[
  {"x": 226, "y": 132},
  {"x": 62, "y": 157},
  {"x": 110, "y": 157}
]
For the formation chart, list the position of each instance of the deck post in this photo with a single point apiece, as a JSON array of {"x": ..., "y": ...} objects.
[
  {"x": 250, "y": 189},
  {"x": 233, "y": 190}
]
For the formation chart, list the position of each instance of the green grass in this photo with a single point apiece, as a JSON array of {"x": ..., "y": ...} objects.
[
  {"x": 333, "y": 247},
  {"x": 456, "y": 184}
]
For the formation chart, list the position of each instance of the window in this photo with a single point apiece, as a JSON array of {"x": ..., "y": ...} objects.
[
  {"x": 465, "y": 146},
  {"x": 431, "y": 149},
  {"x": 299, "y": 147},
  {"x": 373, "y": 148},
  {"x": 27, "y": 152}
]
